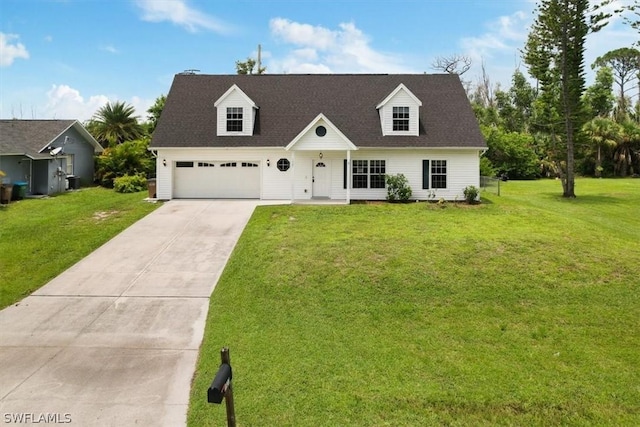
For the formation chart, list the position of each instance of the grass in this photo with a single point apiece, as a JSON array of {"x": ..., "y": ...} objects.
[
  {"x": 520, "y": 311},
  {"x": 40, "y": 238}
]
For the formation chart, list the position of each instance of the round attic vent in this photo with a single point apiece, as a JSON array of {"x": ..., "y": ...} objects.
[{"x": 321, "y": 131}]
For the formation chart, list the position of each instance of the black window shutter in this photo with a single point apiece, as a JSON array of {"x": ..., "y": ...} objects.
[
  {"x": 425, "y": 174},
  {"x": 344, "y": 175}
]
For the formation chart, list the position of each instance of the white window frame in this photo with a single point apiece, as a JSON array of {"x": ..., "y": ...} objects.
[
  {"x": 69, "y": 160},
  {"x": 369, "y": 169},
  {"x": 401, "y": 118},
  {"x": 235, "y": 115}
]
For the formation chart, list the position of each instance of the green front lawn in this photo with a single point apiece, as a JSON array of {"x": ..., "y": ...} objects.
[
  {"x": 523, "y": 310},
  {"x": 40, "y": 238}
]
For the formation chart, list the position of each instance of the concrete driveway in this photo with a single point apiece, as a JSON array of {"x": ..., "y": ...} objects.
[{"x": 114, "y": 339}]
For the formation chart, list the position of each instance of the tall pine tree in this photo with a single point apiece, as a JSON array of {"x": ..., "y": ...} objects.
[{"x": 555, "y": 55}]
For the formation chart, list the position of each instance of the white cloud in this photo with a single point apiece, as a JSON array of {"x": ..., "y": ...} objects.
[
  {"x": 322, "y": 50},
  {"x": 498, "y": 49},
  {"x": 65, "y": 102},
  {"x": 306, "y": 54},
  {"x": 302, "y": 34},
  {"x": 110, "y": 48},
  {"x": 141, "y": 105},
  {"x": 506, "y": 34},
  {"x": 10, "y": 52},
  {"x": 48, "y": 39},
  {"x": 181, "y": 14}
]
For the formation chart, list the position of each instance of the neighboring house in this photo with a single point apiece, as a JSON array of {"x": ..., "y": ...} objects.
[
  {"x": 298, "y": 137},
  {"x": 45, "y": 153}
]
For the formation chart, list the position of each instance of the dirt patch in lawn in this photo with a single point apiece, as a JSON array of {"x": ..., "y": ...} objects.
[{"x": 102, "y": 215}]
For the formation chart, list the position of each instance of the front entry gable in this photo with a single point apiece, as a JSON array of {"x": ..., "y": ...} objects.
[{"x": 320, "y": 134}]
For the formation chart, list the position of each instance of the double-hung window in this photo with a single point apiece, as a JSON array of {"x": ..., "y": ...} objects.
[
  {"x": 234, "y": 119},
  {"x": 376, "y": 173},
  {"x": 400, "y": 118},
  {"x": 368, "y": 173},
  {"x": 360, "y": 173},
  {"x": 434, "y": 172}
]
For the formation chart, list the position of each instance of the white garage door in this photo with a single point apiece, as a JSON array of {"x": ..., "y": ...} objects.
[{"x": 216, "y": 180}]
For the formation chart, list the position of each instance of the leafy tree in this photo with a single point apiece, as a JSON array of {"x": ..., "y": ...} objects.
[
  {"x": 598, "y": 97},
  {"x": 625, "y": 63},
  {"x": 601, "y": 132},
  {"x": 523, "y": 96},
  {"x": 249, "y": 67},
  {"x": 555, "y": 54},
  {"x": 486, "y": 116},
  {"x": 515, "y": 106},
  {"x": 128, "y": 158},
  {"x": 487, "y": 168},
  {"x": 507, "y": 113},
  {"x": 154, "y": 113},
  {"x": 512, "y": 153},
  {"x": 115, "y": 123}
]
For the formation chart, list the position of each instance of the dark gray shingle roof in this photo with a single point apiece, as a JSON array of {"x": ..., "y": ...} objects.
[
  {"x": 288, "y": 103},
  {"x": 29, "y": 136}
]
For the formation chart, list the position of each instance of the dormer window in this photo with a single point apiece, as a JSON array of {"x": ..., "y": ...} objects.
[
  {"x": 400, "y": 118},
  {"x": 235, "y": 113},
  {"x": 234, "y": 119},
  {"x": 400, "y": 113}
]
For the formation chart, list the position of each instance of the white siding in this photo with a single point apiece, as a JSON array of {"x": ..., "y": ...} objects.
[
  {"x": 310, "y": 141},
  {"x": 164, "y": 178},
  {"x": 462, "y": 170},
  {"x": 235, "y": 99},
  {"x": 400, "y": 99},
  {"x": 275, "y": 184}
]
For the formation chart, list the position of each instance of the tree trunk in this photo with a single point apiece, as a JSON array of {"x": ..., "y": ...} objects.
[
  {"x": 598, "y": 164},
  {"x": 569, "y": 182}
]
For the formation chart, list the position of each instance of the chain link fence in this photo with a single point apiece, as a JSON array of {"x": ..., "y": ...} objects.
[{"x": 492, "y": 185}]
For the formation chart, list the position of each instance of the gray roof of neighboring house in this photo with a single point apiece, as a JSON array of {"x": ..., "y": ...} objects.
[
  {"x": 30, "y": 137},
  {"x": 288, "y": 103}
]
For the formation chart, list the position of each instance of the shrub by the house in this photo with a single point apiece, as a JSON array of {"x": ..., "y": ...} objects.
[
  {"x": 398, "y": 189},
  {"x": 130, "y": 183},
  {"x": 471, "y": 194}
]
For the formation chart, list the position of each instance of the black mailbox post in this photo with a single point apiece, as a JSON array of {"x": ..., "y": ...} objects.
[{"x": 221, "y": 387}]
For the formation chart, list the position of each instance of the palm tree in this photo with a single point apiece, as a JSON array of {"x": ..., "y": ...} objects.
[
  {"x": 602, "y": 131},
  {"x": 627, "y": 152},
  {"x": 115, "y": 123}
]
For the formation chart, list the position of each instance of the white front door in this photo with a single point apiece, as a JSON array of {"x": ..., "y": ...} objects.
[{"x": 321, "y": 178}]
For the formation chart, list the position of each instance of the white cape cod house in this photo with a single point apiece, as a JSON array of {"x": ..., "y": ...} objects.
[{"x": 300, "y": 137}]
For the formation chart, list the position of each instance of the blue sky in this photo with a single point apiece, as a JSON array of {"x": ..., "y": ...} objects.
[{"x": 67, "y": 58}]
